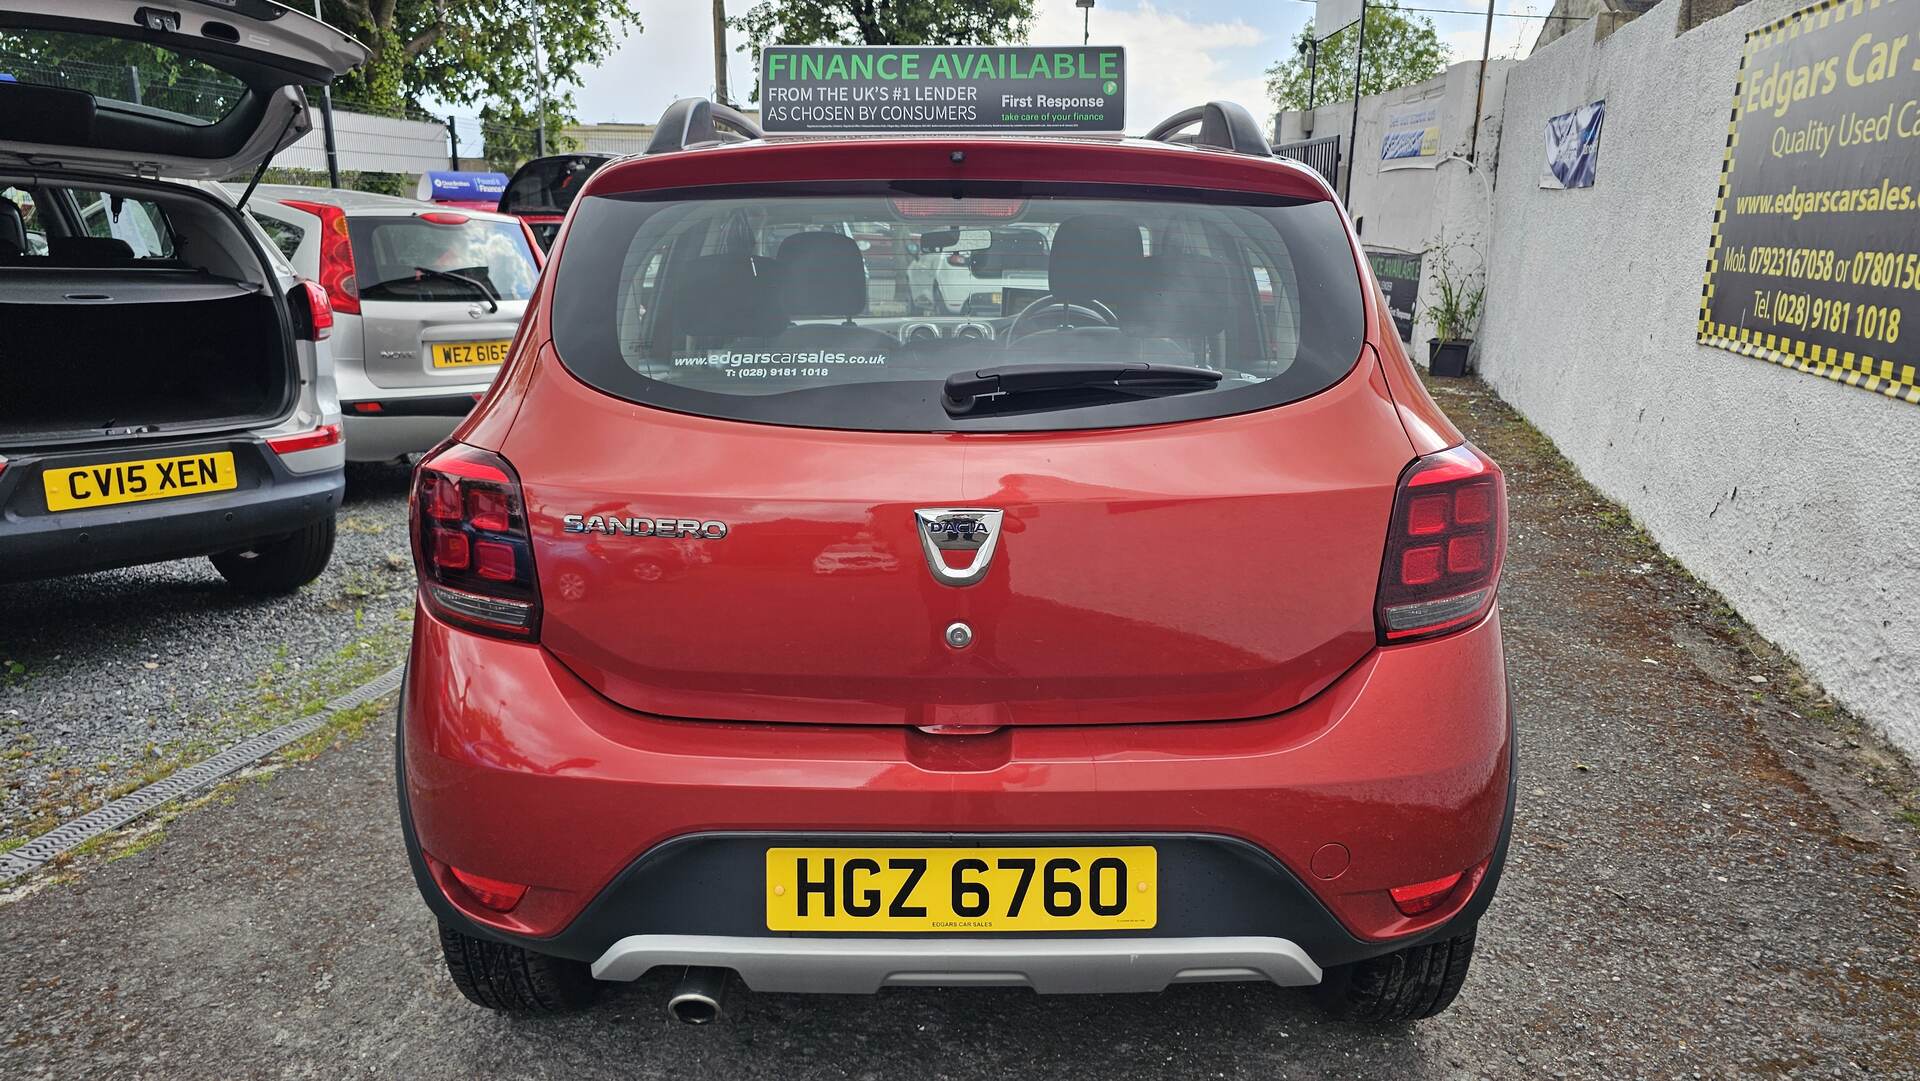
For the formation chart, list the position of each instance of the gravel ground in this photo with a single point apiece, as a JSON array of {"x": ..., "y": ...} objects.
[
  {"x": 1711, "y": 877},
  {"x": 107, "y": 679}
]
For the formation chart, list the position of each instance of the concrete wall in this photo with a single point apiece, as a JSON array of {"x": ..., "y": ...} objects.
[
  {"x": 371, "y": 144},
  {"x": 1420, "y": 210},
  {"x": 1797, "y": 498}
]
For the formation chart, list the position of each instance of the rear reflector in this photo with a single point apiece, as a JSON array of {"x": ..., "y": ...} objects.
[
  {"x": 491, "y": 892},
  {"x": 471, "y": 544},
  {"x": 1421, "y": 897},
  {"x": 1444, "y": 546},
  {"x": 324, "y": 436}
]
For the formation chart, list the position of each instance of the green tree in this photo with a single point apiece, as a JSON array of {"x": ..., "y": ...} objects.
[
  {"x": 474, "y": 52},
  {"x": 511, "y": 131},
  {"x": 1402, "y": 49},
  {"x": 884, "y": 22}
]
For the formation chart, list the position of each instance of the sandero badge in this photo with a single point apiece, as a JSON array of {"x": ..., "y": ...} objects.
[{"x": 953, "y": 529}]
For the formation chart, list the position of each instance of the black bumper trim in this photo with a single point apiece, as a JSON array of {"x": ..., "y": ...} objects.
[{"x": 1237, "y": 888}]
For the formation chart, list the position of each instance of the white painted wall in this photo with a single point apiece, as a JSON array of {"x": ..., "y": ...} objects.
[
  {"x": 1797, "y": 498},
  {"x": 370, "y": 143},
  {"x": 1421, "y": 210}
]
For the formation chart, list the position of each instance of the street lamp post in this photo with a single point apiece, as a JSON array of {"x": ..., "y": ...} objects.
[{"x": 1086, "y": 19}]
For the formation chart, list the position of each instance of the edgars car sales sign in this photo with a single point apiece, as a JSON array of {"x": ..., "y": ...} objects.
[
  {"x": 1815, "y": 257},
  {"x": 805, "y": 89}
]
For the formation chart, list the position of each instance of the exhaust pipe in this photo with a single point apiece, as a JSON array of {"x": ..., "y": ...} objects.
[{"x": 699, "y": 996}]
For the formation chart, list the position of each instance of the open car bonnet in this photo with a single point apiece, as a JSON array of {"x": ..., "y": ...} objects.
[{"x": 186, "y": 88}]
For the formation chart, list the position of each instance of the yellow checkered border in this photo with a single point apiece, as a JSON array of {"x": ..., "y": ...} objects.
[{"x": 1855, "y": 370}]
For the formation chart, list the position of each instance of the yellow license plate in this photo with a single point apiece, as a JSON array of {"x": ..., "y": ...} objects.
[
  {"x": 469, "y": 354},
  {"x": 961, "y": 889},
  {"x": 131, "y": 482}
]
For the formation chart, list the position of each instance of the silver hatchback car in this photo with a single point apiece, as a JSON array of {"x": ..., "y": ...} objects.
[{"x": 425, "y": 299}]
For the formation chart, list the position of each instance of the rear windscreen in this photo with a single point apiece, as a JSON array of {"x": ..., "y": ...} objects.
[
  {"x": 548, "y": 184},
  {"x": 124, "y": 76},
  {"x": 827, "y": 309},
  {"x": 416, "y": 258}
]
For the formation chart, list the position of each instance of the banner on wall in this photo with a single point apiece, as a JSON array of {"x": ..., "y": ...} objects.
[
  {"x": 1573, "y": 147},
  {"x": 1399, "y": 275},
  {"x": 1815, "y": 254},
  {"x": 1412, "y": 139}
]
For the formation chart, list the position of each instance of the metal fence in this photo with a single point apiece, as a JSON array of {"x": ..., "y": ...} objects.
[
  {"x": 1323, "y": 154},
  {"x": 187, "y": 95}
]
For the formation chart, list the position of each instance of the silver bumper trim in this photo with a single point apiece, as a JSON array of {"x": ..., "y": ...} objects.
[{"x": 1048, "y": 965}]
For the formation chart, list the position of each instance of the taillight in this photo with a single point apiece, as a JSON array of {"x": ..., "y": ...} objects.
[
  {"x": 337, "y": 275},
  {"x": 960, "y": 258},
  {"x": 1444, "y": 546},
  {"x": 324, "y": 436},
  {"x": 471, "y": 545},
  {"x": 312, "y": 311}
]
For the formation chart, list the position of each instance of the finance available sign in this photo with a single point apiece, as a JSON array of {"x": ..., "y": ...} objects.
[
  {"x": 882, "y": 88},
  {"x": 1815, "y": 257}
]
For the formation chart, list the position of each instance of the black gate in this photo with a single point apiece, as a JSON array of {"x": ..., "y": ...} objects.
[{"x": 1322, "y": 154}]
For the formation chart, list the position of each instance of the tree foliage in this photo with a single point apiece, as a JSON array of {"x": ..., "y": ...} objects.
[
  {"x": 1401, "y": 49},
  {"x": 885, "y": 22},
  {"x": 474, "y": 52}
]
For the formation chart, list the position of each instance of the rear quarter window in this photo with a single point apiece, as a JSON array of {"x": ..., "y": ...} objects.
[{"x": 849, "y": 306}]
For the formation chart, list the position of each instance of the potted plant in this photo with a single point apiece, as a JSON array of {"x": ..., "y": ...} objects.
[{"x": 1455, "y": 314}]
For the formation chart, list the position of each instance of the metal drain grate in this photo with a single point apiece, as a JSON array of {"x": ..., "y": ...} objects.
[{"x": 118, "y": 813}]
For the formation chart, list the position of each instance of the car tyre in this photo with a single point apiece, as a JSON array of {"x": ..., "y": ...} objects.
[
  {"x": 1407, "y": 985},
  {"x": 512, "y": 980},
  {"x": 279, "y": 566}
]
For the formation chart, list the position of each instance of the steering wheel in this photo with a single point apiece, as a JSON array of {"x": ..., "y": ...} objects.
[{"x": 1067, "y": 310}]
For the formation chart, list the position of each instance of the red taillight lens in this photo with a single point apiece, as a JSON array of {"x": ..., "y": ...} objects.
[
  {"x": 491, "y": 892},
  {"x": 471, "y": 545},
  {"x": 324, "y": 436},
  {"x": 1444, "y": 546},
  {"x": 337, "y": 274},
  {"x": 311, "y": 310},
  {"x": 959, "y": 258}
]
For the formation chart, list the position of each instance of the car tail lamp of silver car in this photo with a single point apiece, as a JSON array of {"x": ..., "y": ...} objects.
[
  {"x": 337, "y": 274},
  {"x": 1444, "y": 546},
  {"x": 312, "y": 311},
  {"x": 471, "y": 544}
]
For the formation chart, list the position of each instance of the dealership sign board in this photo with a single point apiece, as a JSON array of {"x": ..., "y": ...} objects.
[
  {"x": 1412, "y": 138},
  {"x": 943, "y": 88},
  {"x": 1815, "y": 256},
  {"x": 1399, "y": 276}
]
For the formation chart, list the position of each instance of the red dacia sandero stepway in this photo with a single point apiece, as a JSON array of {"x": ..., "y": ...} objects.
[{"x": 983, "y": 559}]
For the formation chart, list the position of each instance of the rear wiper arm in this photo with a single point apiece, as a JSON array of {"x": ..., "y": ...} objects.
[
  {"x": 493, "y": 298},
  {"x": 964, "y": 391}
]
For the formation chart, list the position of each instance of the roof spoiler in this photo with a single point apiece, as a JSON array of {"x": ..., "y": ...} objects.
[
  {"x": 1223, "y": 124},
  {"x": 699, "y": 122}
]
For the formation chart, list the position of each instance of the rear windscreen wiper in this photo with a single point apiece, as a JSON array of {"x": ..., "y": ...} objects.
[
  {"x": 493, "y": 298},
  {"x": 965, "y": 391}
]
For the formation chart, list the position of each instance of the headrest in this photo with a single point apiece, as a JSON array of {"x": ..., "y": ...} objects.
[
  {"x": 1096, "y": 257},
  {"x": 821, "y": 276},
  {"x": 13, "y": 228},
  {"x": 1183, "y": 295},
  {"x": 722, "y": 296},
  {"x": 89, "y": 251}
]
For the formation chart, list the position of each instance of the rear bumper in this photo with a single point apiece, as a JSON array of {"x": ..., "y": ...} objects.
[
  {"x": 270, "y": 501},
  {"x": 643, "y": 838},
  {"x": 381, "y": 439}
]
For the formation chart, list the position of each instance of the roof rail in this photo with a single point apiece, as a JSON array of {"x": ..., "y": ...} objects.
[
  {"x": 1222, "y": 124},
  {"x": 699, "y": 122}
]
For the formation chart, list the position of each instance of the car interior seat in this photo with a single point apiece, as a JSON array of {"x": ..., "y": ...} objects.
[{"x": 821, "y": 275}]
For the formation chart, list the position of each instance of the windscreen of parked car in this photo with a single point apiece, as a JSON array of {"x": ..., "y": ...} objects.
[
  {"x": 825, "y": 309},
  {"x": 416, "y": 258}
]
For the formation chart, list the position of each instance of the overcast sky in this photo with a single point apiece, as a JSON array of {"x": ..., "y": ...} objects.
[{"x": 1179, "y": 52}]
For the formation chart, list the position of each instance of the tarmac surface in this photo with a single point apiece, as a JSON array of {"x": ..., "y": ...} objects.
[{"x": 1713, "y": 874}]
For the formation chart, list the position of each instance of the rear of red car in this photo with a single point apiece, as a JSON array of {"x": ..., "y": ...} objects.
[{"x": 1139, "y": 632}]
